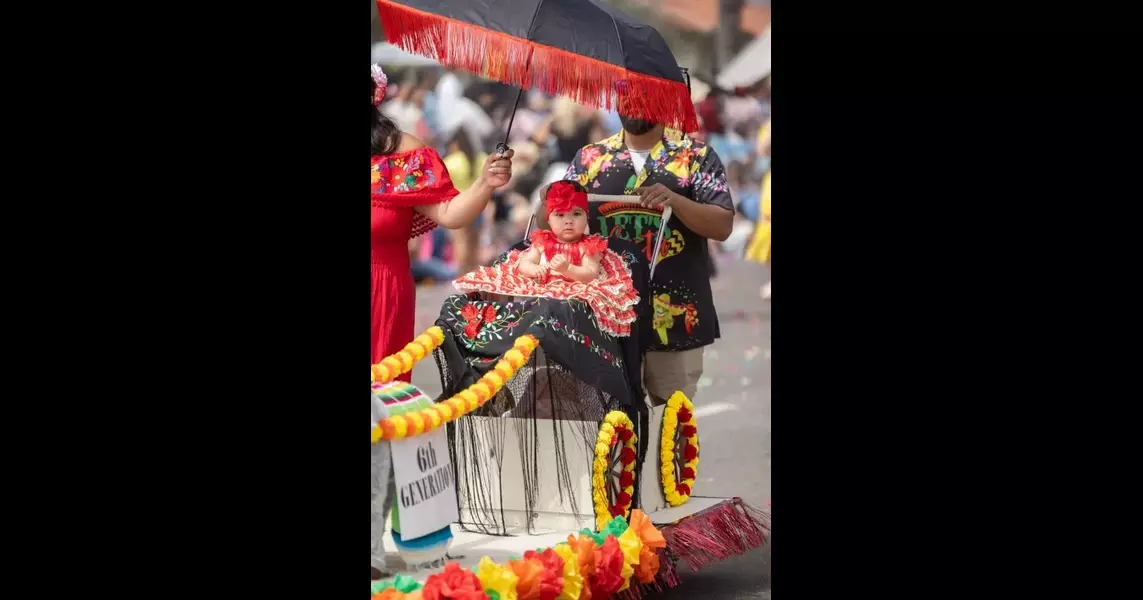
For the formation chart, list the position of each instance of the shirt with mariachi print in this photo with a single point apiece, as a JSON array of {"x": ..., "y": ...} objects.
[{"x": 683, "y": 307}]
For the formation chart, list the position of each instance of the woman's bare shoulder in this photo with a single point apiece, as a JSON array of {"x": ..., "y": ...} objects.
[{"x": 409, "y": 142}]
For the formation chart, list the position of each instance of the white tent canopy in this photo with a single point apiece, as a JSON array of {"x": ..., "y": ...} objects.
[
  {"x": 750, "y": 66},
  {"x": 385, "y": 53}
]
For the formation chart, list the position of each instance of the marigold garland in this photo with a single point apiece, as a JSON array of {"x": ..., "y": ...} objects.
[
  {"x": 616, "y": 427},
  {"x": 426, "y": 420},
  {"x": 680, "y": 410},
  {"x": 402, "y": 362},
  {"x": 589, "y": 565}
]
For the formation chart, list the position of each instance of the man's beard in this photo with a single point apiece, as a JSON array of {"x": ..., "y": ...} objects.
[{"x": 636, "y": 126}]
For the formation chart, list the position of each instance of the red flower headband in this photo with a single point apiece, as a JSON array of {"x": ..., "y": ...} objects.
[{"x": 563, "y": 197}]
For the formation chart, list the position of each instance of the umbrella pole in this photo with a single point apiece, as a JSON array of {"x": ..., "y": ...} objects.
[{"x": 502, "y": 147}]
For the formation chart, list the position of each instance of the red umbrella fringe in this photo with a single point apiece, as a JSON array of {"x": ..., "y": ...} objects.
[
  {"x": 506, "y": 58},
  {"x": 727, "y": 529}
]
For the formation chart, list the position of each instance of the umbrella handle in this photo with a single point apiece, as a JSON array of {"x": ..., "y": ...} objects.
[{"x": 502, "y": 147}]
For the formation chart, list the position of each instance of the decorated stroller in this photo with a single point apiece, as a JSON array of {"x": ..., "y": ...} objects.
[{"x": 549, "y": 433}]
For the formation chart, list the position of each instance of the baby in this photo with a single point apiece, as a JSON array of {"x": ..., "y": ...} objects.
[{"x": 563, "y": 262}]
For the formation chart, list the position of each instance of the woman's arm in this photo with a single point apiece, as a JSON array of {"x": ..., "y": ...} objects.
[{"x": 463, "y": 208}]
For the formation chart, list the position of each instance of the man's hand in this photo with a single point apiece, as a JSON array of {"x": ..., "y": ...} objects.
[
  {"x": 656, "y": 195},
  {"x": 559, "y": 263}
]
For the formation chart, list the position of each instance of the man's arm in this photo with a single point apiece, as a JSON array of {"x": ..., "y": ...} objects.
[
  {"x": 709, "y": 211},
  {"x": 708, "y": 220}
]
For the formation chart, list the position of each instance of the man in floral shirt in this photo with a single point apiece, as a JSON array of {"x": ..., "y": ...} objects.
[{"x": 665, "y": 169}]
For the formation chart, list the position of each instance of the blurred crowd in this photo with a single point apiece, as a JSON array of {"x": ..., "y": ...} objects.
[{"x": 464, "y": 117}]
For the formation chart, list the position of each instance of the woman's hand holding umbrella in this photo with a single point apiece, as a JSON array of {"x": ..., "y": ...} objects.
[{"x": 498, "y": 169}]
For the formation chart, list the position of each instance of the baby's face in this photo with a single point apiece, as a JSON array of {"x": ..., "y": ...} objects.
[{"x": 569, "y": 226}]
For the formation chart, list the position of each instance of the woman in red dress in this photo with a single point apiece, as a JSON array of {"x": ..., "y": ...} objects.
[{"x": 412, "y": 194}]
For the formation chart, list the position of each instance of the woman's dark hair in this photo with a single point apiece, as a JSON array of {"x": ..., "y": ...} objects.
[
  {"x": 386, "y": 138},
  {"x": 542, "y": 211}
]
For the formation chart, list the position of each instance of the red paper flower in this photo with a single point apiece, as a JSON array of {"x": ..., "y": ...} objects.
[
  {"x": 608, "y": 569},
  {"x": 690, "y": 453},
  {"x": 616, "y": 511},
  {"x": 684, "y": 415},
  {"x": 627, "y": 479},
  {"x": 689, "y": 431},
  {"x": 623, "y": 499},
  {"x": 683, "y": 489},
  {"x": 552, "y": 582},
  {"x": 627, "y": 456},
  {"x": 688, "y": 473},
  {"x": 624, "y": 434},
  {"x": 454, "y": 583}
]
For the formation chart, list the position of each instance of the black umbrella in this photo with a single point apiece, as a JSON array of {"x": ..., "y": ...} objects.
[{"x": 583, "y": 49}]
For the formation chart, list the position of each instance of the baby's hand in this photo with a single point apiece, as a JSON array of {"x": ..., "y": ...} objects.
[{"x": 560, "y": 263}]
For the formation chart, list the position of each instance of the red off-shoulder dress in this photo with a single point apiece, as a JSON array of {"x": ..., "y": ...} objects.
[{"x": 400, "y": 181}]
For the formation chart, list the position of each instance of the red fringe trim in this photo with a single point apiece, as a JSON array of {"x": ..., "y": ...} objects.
[
  {"x": 526, "y": 64},
  {"x": 727, "y": 529}
]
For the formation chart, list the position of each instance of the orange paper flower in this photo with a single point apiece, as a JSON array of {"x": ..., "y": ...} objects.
[
  {"x": 648, "y": 566},
  {"x": 531, "y": 574},
  {"x": 584, "y": 548},
  {"x": 650, "y": 536}
]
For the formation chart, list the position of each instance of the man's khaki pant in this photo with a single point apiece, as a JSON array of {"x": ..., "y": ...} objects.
[{"x": 665, "y": 373}]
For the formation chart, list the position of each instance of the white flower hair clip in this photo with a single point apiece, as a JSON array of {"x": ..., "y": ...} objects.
[{"x": 382, "y": 83}]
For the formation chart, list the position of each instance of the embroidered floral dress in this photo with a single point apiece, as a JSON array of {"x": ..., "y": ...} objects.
[
  {"x": 400, "y": 181},
  {"x": 611, "y": 296}
]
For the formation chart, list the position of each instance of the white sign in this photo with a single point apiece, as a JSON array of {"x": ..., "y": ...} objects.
[{"x": 426, "y": 484}]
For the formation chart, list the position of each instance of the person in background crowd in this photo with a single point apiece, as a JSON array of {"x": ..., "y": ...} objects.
[
  {"x": 759, "y": 249},
  {"x": 463, "y": 163}
]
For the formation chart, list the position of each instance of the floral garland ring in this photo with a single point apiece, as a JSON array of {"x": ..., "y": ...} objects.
[
  {"x": 426, "y": 420},
  {"x": 680, "y": 411},
  {"x": 617, "y": 427},
  {"x": 402, "y": 362}
]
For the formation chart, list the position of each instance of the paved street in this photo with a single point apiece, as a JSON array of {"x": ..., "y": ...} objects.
[{"x": 733, "y": 406}]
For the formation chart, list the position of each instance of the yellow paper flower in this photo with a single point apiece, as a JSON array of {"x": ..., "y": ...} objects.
[
  {"x": 573, "y": 581},
  {"x": 495, "y": 578},
  {"x": 631, "y": 545}
]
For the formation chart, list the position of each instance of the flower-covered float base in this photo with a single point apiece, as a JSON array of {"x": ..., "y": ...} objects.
[{"x": 635, "y": 564}]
